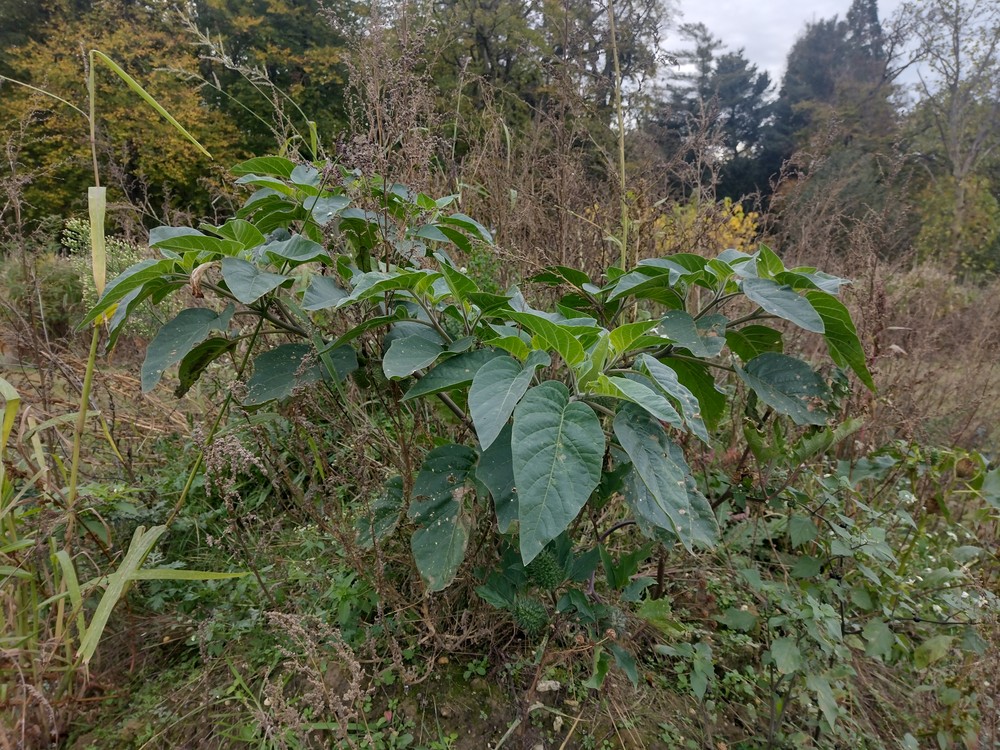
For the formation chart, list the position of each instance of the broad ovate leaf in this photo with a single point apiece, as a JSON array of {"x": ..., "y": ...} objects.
[
  {"x": 785, "y": 302},
  {"x": 247, "y": 282},
  {"x": 440, "y": 494},
  {"x": 178, "y": 337},
  {"x": 789, "y": 386},
  {"x": 658, "y": 489},
  {"x": 558, "y": 450},
  {"x": 496, "y": 389}
]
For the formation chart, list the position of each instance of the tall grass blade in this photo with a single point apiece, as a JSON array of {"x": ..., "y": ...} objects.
[
  {"x": 118, "y": 582},
  {"x": 138, "y": 89}
]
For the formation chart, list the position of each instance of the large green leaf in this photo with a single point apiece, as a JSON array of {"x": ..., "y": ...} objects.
[
  {"x": 278, "y": 372},
  {"x": 643, "y": 394},
  {"x": 496, "y": 471},
  {"x": 680, "y": 328},
  {"x": 439, "y": 497},
  {"x": 157, "y": 288},
  {"x": 658, "y": 490},
  {"x": 749, "y": 341},
  {"x": 456, "y": 372},
  {"x": 841, "y": 335},
  {"x": 624, "y": 336},
  {"x": 182, "y": 239},
  {"x": 241, "y": 231},
  {"x": 789, "y": 386},
  {"x": 132, "y": 278},
  {"x": 272, "y": 165},
  {"x": 409, "y": 354},
  {"x": 247, "y": 282},
  {"x": 560, "y": 338},
  {"x": 178, "y": 337},
  {"x": 496, "y": 388},
  {"x": 198, "y": 359},
  {"x": 690, "y": 406},
  {"x": 325, "y": 209},
  {"x": 295, "y": 251},
  {"x": 558, "y": 451},
  {"x": 786, "y": 655},
  {"x": 785, "y": 302},
  {"x": 375, "y": 283},
  {"x": 322, "y": 293}
]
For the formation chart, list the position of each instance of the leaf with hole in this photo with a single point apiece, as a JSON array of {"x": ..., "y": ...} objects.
[
  {"x": 680, "y": 328},
  {"x": 438, "y": 510}
]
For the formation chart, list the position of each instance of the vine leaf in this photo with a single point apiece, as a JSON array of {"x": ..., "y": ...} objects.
[
  {"x": 443, "y": 527},
  {"x": 558, "y": 450}
]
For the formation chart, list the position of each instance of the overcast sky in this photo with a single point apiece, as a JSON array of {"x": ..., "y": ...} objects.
[{"x": 765, "y": 28}]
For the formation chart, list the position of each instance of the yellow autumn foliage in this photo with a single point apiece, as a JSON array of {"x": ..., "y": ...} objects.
[{"x": 705, "y": 228}]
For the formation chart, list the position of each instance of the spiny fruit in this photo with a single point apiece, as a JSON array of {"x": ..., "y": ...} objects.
[
  {"x": 545, "y": 571},
  {"x": 618, "y": 622},
  {"x": 530, "y": 615}
]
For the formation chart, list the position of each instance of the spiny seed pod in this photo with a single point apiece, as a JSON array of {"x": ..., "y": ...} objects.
[
  {"x": 530, "y": 615},
  {"x": 618, "y": 622},
  {"x": 545, "y": 571}
]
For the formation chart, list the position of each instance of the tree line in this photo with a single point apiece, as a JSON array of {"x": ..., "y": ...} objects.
[{"x": 895, "y": 116}]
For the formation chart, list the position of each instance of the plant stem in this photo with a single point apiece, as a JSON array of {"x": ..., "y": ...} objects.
[{"x": 81, "y": 421}]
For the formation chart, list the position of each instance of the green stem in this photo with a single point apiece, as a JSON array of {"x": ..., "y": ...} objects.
[
  {"x": 81, "y": 421},
  {"x": 211, "y": 433}
]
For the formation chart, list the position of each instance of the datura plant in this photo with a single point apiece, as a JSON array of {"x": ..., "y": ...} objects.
[{"x": 611, "y": 380}]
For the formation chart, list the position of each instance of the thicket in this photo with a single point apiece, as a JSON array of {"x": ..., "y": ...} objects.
[{"x": 486, "y": 455}]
